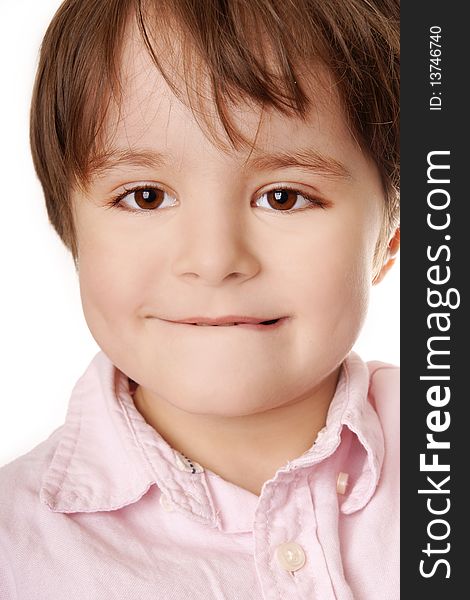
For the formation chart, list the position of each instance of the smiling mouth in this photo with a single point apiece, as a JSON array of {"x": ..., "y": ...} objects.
[
  {"x": 239, "y": 321},
  {"x": 266, "y": 323}
]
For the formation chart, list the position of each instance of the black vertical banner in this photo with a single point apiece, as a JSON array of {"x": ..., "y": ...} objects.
[{"x": 435, "y": 261}]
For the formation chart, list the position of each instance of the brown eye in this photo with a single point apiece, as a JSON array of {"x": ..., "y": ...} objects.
[
  {"x": 286, "y": 199},
  {"x": 149, "y": 197},
  {"x": 282, "y": 199}
]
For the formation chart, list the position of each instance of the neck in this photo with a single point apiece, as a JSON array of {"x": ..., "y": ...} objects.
[{"x": 246, "y": 450}]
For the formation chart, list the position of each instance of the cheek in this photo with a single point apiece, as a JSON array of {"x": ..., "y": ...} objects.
[
  {"x": 335, "y": 281},
  {"x": 111, "y": 284}
]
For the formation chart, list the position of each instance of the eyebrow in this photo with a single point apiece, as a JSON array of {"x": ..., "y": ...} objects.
[
  {"x": 307, "y": 159},
  {"x": 117, "y": 159}
]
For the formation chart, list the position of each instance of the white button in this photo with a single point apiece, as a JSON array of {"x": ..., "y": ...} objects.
[
  {"x": 342, "y": 483},
  {"x": 290, "y": 556},
  {"x": 166, "y": 503}
]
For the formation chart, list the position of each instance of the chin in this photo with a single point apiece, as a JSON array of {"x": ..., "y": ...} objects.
[{"x": 222, "y": 397}]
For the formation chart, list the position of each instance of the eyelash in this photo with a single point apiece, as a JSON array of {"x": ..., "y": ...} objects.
[{"x": 116, "y": 200}]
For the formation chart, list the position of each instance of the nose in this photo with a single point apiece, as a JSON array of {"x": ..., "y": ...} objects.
[{"x": 214, "y": 246}]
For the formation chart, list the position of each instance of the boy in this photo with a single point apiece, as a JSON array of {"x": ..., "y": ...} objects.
[{"x": 225, "y": 175}]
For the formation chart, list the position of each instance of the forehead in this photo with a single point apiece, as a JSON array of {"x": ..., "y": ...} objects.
[{"x": 150, "y": 115}]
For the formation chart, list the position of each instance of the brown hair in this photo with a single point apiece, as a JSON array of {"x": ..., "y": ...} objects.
[{"x": 236, "y": 43}]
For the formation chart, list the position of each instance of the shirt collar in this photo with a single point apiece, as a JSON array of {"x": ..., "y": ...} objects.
[
  {"x": 351, "y": 408},
  {"x": 108, "y": 457}
]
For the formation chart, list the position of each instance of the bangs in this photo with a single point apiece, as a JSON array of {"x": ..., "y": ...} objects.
[
  {"x": 212, "y": 63},
  {"x": 220, "y": 54}
]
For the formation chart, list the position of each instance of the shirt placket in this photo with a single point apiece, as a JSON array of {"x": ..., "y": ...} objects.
[{"x": 290, "y": 560}]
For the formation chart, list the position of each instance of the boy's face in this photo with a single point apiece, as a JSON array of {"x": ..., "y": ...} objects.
[{"x": 221, "y": 245}]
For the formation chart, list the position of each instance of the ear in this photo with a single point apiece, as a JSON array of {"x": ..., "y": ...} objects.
[{"x": 392, "y": 250}]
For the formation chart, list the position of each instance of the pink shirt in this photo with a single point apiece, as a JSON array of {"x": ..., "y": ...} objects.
[{"x": 106, "y": 509}]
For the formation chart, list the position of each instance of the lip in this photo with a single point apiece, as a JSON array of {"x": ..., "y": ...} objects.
[
  {"x": 225, "y": 322},
  {"x": 225, "y": 319}
]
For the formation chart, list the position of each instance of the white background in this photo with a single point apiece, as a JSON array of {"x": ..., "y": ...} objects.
[{"x": 46, "y": 344}]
